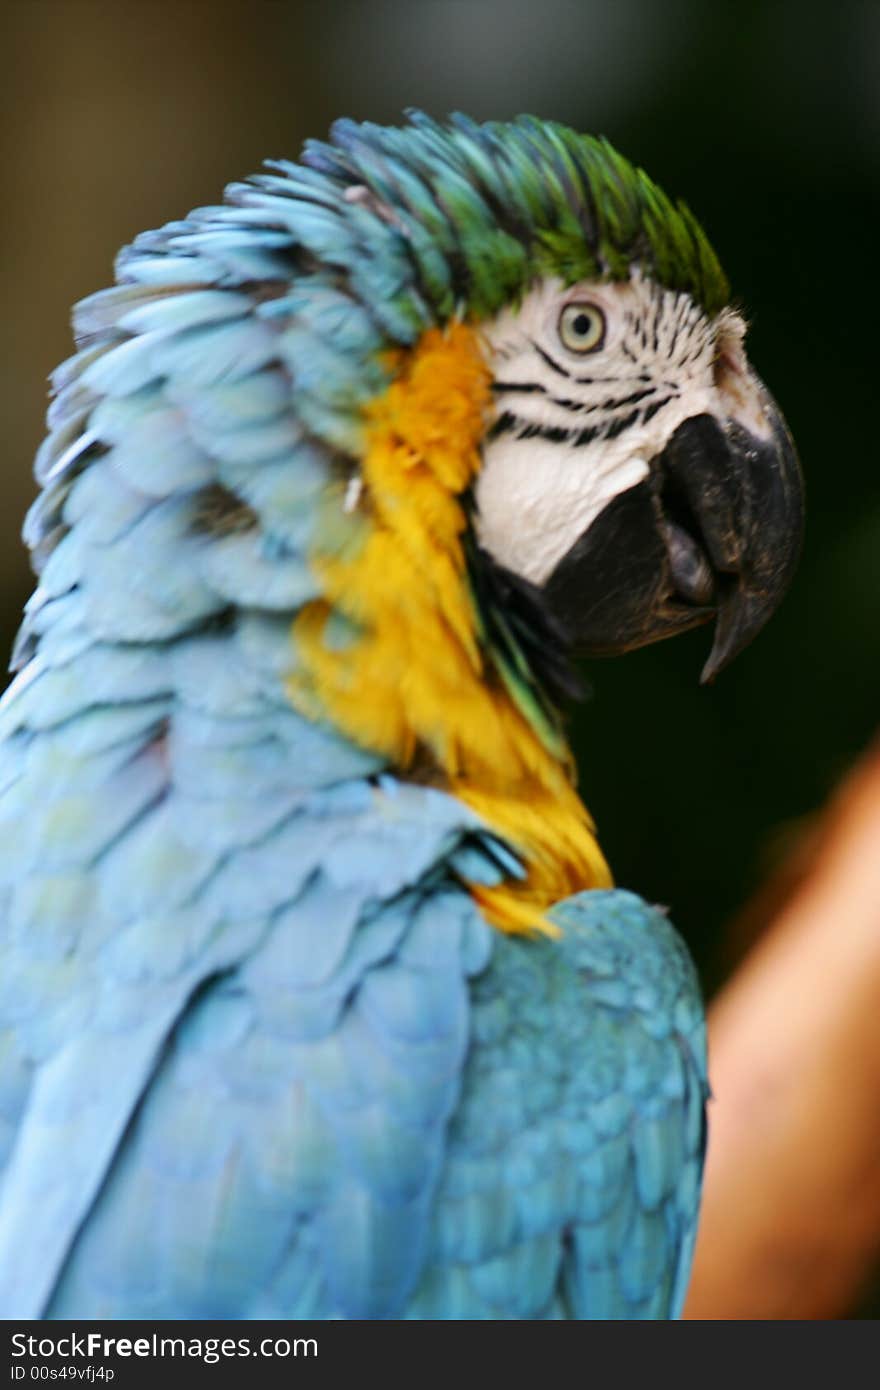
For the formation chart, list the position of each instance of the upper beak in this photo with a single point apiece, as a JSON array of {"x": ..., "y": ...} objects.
[{"x": 713, "y": 532}]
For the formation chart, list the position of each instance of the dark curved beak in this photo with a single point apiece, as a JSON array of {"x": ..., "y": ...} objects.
[{"x": 714, "y": 532}]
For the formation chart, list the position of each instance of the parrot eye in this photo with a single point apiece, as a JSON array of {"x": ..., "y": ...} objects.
[{"x": 582, "y": 327}]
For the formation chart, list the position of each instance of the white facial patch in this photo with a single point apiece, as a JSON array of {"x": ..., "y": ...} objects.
[{"x": 574, "y": 429}]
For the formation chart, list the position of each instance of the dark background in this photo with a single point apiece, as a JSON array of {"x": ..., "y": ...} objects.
[{"x": 764, "y": 116}]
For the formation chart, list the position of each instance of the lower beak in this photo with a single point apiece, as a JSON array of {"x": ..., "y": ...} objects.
[{"x": 713, "y": 532}]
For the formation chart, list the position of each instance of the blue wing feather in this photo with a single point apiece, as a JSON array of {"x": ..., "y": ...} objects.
[{"x": 569, "y": 1185}]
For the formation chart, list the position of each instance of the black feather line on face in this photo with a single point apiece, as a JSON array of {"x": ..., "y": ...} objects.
[
  {"x": 551, "y": 362},
  {"x": 509, "y": 423},
  {"x": 499, "y": 387}
]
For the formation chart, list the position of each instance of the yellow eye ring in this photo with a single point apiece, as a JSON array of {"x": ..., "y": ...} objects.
[{"x": 581, "y": 327}]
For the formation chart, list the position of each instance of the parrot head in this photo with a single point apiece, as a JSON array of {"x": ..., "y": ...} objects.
[
  {"x": 636, "y": 477},
  {"x": 639, "y": 474}
]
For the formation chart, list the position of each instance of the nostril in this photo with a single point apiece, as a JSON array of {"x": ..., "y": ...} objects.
[{"x": 741, "y": 395}]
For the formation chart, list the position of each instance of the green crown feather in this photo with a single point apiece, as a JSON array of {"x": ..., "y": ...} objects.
[{"x": 483, "y": 209}]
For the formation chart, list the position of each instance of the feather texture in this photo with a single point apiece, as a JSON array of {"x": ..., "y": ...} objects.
[{"x": 261, "y": 1054}]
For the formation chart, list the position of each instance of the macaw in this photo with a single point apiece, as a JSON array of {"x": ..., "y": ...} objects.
[{"x": 317, "y": 1000}]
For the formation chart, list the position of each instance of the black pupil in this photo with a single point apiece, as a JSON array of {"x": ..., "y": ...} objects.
[{"x": 582, "y": 325}]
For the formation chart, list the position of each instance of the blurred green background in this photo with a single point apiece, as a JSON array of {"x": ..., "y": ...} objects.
[{"x": 764, "y": 116}]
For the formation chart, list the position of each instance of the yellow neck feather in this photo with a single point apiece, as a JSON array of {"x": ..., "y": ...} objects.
[{"x": 412, "y": 681}]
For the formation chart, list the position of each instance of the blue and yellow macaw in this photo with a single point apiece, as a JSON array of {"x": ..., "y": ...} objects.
[{"x": 316, "y": 999}]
